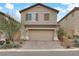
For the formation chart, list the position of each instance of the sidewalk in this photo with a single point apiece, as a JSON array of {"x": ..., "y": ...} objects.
[{"x": 19, "y": 50}]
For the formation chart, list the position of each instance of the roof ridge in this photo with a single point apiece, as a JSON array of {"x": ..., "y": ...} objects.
[
  {"x": 75, "y": 8},
  {"x": 36, "y": 5}
]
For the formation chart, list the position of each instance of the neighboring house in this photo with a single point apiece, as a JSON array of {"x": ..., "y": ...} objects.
[
  {"x": 70, "y": 22},
  {"x": 3, "y": 36},
  {"x": 39, "y": 22}
]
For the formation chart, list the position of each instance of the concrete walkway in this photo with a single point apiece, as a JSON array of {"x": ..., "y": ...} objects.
[{"x": 42, "y": 45}]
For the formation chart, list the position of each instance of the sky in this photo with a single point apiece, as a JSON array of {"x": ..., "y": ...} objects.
[{"x": 13, "y": 8}]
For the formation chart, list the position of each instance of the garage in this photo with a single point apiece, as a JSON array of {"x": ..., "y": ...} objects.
[{"x": 41, "y": 34}]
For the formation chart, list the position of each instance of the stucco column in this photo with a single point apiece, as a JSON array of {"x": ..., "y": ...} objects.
[
  {"x": 55, "y": 35},
  {"x": 27, "y": 34},
  {"x": 22, "y": 33}
]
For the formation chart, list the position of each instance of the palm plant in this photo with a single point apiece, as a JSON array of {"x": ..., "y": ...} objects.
[{"x": 9, "y": 26}]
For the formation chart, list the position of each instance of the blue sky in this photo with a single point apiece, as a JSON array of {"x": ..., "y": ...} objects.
[{"x": 13, "y": 8}]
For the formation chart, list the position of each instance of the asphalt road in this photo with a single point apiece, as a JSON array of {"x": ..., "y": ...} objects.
[{"x": 41, "y": 53}]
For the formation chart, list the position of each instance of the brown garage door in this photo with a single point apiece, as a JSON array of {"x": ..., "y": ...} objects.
[{"x": 41, "y": 34}]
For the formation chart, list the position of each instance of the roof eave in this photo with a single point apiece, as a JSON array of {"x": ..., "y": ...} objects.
[
  {"x": 36, "y": 5},
  {"x": 76, "y": 8}
]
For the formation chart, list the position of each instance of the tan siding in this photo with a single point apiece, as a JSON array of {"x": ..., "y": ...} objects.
[
  {"x": 68, "y": 23},
  {"x": 76, "y": 22},
  {"x": 53, "y": 15}
]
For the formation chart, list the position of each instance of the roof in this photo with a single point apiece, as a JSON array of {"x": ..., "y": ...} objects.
[
  {"x": 76, "y": 8},
  {"x": 40, "y": 5},
  {"x": 6, "y": 15},
  {"x": 3, "y": 13}
]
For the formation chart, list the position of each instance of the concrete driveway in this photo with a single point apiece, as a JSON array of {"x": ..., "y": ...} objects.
[{"x": 41, "y": 45}]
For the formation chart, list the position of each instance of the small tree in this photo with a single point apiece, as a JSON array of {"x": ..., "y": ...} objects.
[
  {"x": 61, "y": 33},
  {"x": 10, "y": 26}
]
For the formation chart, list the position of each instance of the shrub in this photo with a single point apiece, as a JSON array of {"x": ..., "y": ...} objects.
[
  {"x": 61, "y": 33},
  {"x": 2, "y": 42},
  {"x": 67, "y": 43},
  {"x": 64, "y": 38},
  {"x": 8, "y": 46},
  {"x": 76, "y": 41}
]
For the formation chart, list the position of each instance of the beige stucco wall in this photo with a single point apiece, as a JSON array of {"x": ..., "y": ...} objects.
[
  {"x": 71, "y": 25},
  {"x": 68, "y": 23},
  {"x": 76, "y": 22},
  {"x": 40, "y": 10}
]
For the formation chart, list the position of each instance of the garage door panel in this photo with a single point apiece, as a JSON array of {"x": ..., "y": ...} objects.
[{"x": 41, "y": 34}]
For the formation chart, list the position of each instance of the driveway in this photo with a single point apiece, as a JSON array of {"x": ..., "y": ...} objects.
[{"x": 41, "y": 45}]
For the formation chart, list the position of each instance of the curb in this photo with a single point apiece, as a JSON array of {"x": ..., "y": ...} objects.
[{"x": 30, "y": 50}]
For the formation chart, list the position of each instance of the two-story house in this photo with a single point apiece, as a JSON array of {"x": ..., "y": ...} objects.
[
  {"x": 70, "y": 22},
  {"x": 39, "y": 22}
]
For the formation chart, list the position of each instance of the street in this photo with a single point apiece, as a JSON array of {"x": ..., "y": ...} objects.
[{"x": 40, "y": 53}]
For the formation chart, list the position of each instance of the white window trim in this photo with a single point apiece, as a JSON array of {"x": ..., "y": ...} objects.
[{"x": 33, "y": 14}]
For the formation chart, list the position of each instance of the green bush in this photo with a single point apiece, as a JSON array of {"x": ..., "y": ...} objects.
[
  {"x": 8, "y": 46},
  {"x": 2, "y": 42},
  {"x": 61, "y": 33},
  {"x": 76, "y": 41}
]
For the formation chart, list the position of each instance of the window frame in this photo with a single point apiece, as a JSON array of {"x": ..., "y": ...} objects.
[
  {"x": 29, "y": 17},
  {"x": 46, "y": 16},
  {"x": 36, "y": 17}
]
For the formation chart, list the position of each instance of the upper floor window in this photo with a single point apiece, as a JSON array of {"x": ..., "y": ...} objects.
[
  {"x": 36, "y": 16},
  {"x": 28, "y": 17},
  {"x": 46, "y": 16}
]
